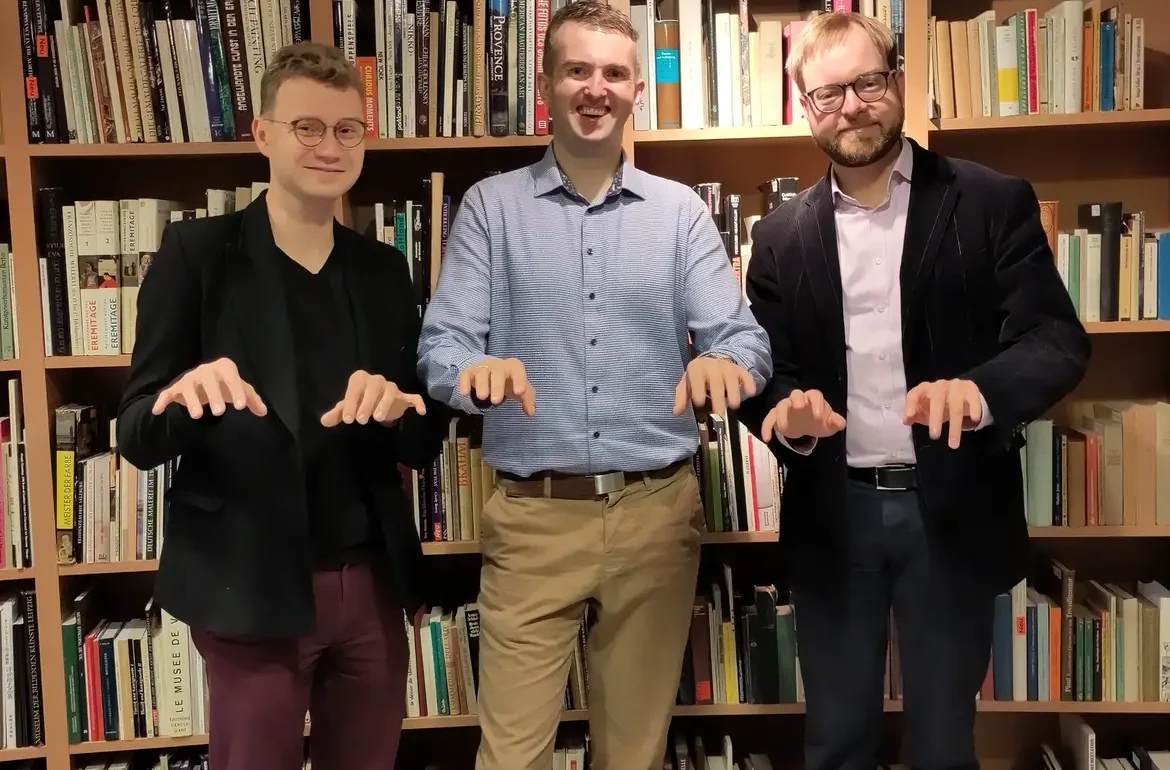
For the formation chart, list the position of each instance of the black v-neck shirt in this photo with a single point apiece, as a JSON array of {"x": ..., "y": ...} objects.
[{"x": 321, "y": 320}]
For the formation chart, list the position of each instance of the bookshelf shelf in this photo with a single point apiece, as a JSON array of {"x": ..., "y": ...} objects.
[
  {"x": 1128, "y": 327},
  {"x": 108, "y": 567},
  {"x": 138, "y": 744},
  {"x": 10, "y": 573},
  {"x": 1045, "y": 120},
  {"x": 10, "y": 365},
  {"x": 86, "y": 362},
  {"x": 757, "y": 133},
  {"x": 21, "y": 754},
  {"x": 1099, "y": 531}
]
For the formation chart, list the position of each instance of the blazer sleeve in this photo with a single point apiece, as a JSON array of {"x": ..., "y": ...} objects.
[
  {"x": 767, "y": 303},
  {"x": 1044, "y": 348},
  {"x": 415, "y": 439},
  {"x": 166, "y": 345}
]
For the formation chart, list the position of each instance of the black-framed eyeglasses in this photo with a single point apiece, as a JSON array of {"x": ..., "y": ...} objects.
[
  {"x": 869, "y": 88},
  {"x": 349, "y": 132}
]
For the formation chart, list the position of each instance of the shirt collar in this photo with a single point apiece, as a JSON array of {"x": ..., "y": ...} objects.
[
  {"x": 902, "y": 173},
  {"x": 548, "y": 176}
]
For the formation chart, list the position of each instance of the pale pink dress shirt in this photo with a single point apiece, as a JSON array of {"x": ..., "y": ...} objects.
[{"x": 869, "y": 248}]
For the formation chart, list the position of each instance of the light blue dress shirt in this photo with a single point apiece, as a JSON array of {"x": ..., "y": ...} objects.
[{"x": 596, "y": 299}]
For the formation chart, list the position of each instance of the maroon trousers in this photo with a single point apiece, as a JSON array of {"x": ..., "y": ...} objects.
[{"x": 350, "y": 673}]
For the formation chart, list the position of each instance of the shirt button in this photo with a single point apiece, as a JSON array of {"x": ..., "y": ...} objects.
[
  {"x": 881, "y": 308},
  {"x": 878, "y": 261},
  {"x": 594, "y": 388},
  {"x": 589, "y": 252},
  {"x": 886, "y": 405},
  {"x": 593, "y": 341},
  {"x": 882, "y": 357},
  {"x": 596, "y": 434},
  {"x": 590, "y": 295}
]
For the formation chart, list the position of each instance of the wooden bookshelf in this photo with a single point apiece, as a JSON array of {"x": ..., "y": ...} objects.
[{"x": 1118, "y": 155}]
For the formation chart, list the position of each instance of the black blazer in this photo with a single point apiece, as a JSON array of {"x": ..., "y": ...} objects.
[
  {"x": 981, "y": 299},
  {"x": 235, "y": 555}
]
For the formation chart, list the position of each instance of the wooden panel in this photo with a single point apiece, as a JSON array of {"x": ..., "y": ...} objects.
[
  {"x": 1078, "y": 165},
  {"x": 741, "y": 166},
  {"x": 1157, "y": 30}
]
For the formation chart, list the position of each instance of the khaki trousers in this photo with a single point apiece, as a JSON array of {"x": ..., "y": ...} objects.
[{"x": 634, "y": 555}]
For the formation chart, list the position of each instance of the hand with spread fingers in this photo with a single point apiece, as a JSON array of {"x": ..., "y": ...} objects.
[
  {"x": 802, "y": 414},
  {"x": 494, "y": 379},
  {"x": 212, "y": 384},
  {"x": 372, "y": 395},
  {"x": 714, "y": 382},
  {"x": 955, "y": 402}
]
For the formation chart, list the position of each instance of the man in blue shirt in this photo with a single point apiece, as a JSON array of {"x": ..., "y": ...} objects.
[{"x": 562, "y": 314}]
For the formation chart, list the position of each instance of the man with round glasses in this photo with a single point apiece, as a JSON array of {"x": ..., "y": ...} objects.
[
  {"x": 274, "y": 377},
  {"x": 917, "y": 325}
]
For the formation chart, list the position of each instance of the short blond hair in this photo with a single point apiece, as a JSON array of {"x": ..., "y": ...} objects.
[
  {"x": 324, "y": 64},
  {"x": 595, "y": 14},
  {"x": 826, "y": 29}
]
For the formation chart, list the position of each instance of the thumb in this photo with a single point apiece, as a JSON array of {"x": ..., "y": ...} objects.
[
  {"x": 681, "y": 396},
  {"x": 415, "y": 401},
  {"x": 332, "y": 417}
]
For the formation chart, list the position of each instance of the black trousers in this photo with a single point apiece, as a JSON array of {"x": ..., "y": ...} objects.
[{"x": 842, "y": 611}]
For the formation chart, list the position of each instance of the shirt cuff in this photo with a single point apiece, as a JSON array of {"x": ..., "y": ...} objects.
[
  {"x": 802, "y": 446},
  {"x": 986, "y": 419}
]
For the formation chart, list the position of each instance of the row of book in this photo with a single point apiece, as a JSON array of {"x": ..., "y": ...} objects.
[
  {"x": 140, "y": 677},
  {"x": 1099, "y": 463},
  {"x": 16, "y": 549},
  {"x": 22, "y": 716},
  {"x": 1064, "y": 637},
  {"x": 94, "y": 254},
  {"x": 1111, "y": 261},
  {"x": 9, "y": 334},
  {"x": 106, "y": 71},
  {"x": 180, "y": 759},
  {"x": 713, "y": 64},
  {"x": 1074, "y": 57}
]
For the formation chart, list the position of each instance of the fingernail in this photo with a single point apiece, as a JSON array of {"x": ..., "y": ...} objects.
[{"x": 379, "y": 416}]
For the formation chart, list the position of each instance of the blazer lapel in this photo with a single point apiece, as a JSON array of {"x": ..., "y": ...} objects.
[
  {"x": 257, "y": 296},
  {"x": 932, "y": 199},
  {"x": 822, "y": 265}
]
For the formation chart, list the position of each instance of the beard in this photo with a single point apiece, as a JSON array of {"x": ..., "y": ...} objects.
[{"x": 862, "y": 152}]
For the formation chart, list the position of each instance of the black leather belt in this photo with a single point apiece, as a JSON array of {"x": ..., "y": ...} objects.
[{"x": 887, "y": 477}]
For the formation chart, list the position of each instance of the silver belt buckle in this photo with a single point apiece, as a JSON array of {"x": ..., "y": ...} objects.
[{"x": 606, "y": 483}]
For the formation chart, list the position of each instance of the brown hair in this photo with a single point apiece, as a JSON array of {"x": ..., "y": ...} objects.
[
  {"x": 830, "y": 28},
  {"x": 594, "y": 14},
  {"x": 320, "y": 63}
]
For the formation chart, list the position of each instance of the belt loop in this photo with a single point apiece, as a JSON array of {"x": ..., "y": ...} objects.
[{"x": 548, "y": 485}]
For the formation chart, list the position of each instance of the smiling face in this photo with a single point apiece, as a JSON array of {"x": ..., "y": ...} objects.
[
  {"x": 590, "y": 85},
  {"x": 300, "y": 107},
  {"x": 863, "y": 127}
]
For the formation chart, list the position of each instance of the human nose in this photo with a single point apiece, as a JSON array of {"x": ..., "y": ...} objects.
[{"x": 851, "y": 105}]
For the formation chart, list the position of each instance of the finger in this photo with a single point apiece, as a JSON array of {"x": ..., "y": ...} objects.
[
  {"x": 767, "y": 426},
  {"x": 797, "y": 400},
  {"x": 499, "y": 385},
  {"x": 937, "y": 404},
  {"x": 415, "y": 401},
  {"x": 974, "y": 405},
  {"x": 483, "y": 382},
  {"x": 372, "y": 395},
  {"x": 697, "y": 385},
  {"x": 234, "y": 387},
  {"x": 213, "y": 391},
  {"x": 516, "y": 380},
  {"x": 681, "y": 395},
  {"x": 816, "y": 404},
  {"x": 955, "y": 409},
  {"x": 912, "y": 399},
  {"x": 465, "y": 378},
  {"x": 164, "y": 399},
  {"x": 836, "y": 422},
  {"x": 731, "y": 384},
  {"x": 253, "y": 401},
  {"x": 528, "y": 401},
  {"x": 353, "y": 398},
  {"x": 747, "y": 382},
  {"x": 333, "y": 416},
  {"x": 191, "y": 398}
]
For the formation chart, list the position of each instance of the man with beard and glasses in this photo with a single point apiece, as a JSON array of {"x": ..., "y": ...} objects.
[
  {"x": 917, "y": 324},
  {"x": 562, "y": 315}
]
